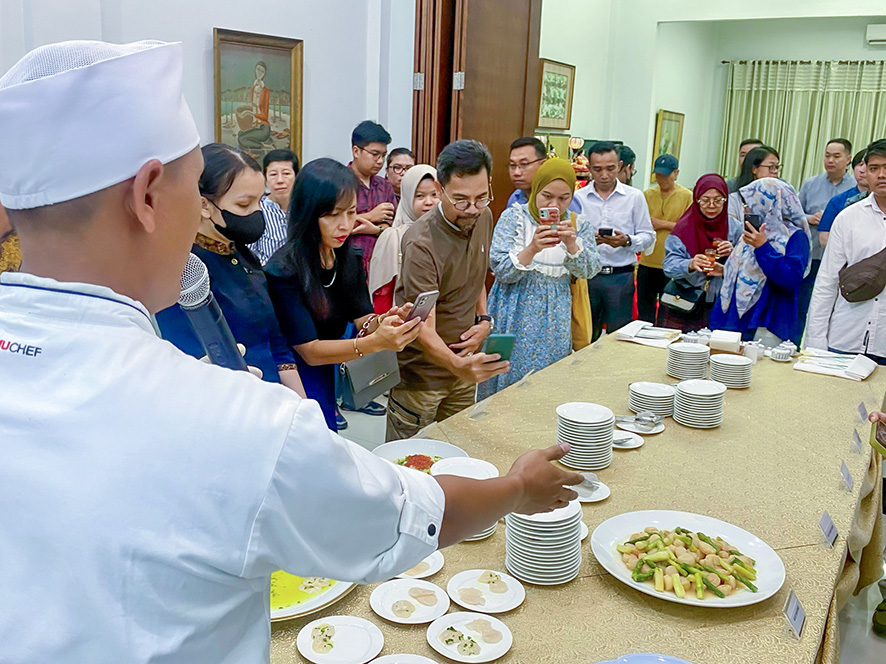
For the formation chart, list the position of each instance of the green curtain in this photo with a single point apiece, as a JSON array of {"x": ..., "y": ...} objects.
[{"x": 796, "y": 107}]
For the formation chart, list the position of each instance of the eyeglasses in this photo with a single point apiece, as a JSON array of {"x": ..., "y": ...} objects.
[
  {"x": 709, "y": 202},
  {"x": 462, "y": 206},
  {"x": 400, "y": 169},
  {"x": 772, "y": 168},
  {"x": 523, "y": 165},
  {"x": 378, "y": 156}
]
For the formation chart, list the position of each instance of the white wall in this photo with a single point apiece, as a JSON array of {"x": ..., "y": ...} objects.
[{"x": 350, "y": 74}]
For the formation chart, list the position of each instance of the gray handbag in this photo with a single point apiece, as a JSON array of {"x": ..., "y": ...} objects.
[{"x": 367, "y": 377}]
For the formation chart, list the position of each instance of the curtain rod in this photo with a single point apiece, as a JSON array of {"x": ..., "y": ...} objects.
[{"x": 803, "y": 62}]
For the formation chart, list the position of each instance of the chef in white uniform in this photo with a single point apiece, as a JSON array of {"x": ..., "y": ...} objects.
[{"x": 147, "y": 497}]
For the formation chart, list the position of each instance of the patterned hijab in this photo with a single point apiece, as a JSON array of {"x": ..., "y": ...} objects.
[
  {"x": 552, "y": 169},
  {"x": 777, "y": 204}
]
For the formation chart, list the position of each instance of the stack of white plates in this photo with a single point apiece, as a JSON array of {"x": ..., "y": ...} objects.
[
  {"x": 544, "y": 549},
  {"x": 687, "y": 361},
  {"x": 476, "y": 469},
  {"x": 699, "y": 403},
  {"x": 655, "y": 397},
  {"x": 731, "y": 370},
  {"x": 587, "y": 427}
]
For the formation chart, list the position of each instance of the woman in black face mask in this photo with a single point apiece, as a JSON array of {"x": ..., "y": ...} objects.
[{"x": 232, "y": 187}]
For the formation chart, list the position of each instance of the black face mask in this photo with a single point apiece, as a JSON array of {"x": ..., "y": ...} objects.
[{"x": 242, "y": 229}]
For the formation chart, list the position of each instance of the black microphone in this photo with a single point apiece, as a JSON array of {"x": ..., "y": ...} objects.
[{"x": 206, "y": 317}]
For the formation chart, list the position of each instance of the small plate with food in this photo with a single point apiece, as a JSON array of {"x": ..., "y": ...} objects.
[
  {"x": 417, "y": 453},
  {"x": 296, "y": 596},
  {"x": 469, "y": 637},
  {"x": 340, "y": 640},
  {"x": 409, "y": 601},
  {"x": 486, "y": 591},
  {"x": 427, "y": 567},
  {"x": 688, "y": 558}
]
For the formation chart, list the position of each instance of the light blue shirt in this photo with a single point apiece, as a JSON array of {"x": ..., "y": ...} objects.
[
  {"x": 519, "y": 197},
  {"x": 276, "y": 229},
  {"x": 814, "y": 196}
]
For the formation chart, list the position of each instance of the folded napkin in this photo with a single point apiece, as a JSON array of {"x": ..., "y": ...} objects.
[
  {"x": 851, "y": 367},
  {"x": 646, "y": 334},
  {"x": 726, "y": 341}
]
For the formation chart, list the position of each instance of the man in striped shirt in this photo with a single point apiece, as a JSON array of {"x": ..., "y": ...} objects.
[{"x": 280, "y": 168}]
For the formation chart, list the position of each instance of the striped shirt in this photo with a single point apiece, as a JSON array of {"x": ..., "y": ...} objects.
[{"x": 276, "y": 229}]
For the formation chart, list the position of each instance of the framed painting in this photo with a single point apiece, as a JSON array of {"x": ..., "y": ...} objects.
[
  {"x": 668, "y": 136},
  {"x": 258, "y": 91},
  {"x": 556, "y": 86}
]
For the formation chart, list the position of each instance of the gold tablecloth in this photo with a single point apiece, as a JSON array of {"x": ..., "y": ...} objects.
[{"x": 772, "y": 468}]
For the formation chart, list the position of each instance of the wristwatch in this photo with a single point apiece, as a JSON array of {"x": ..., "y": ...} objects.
[
  {"x": 629, "y": 241},
  {"x": 488, "y": 319}
]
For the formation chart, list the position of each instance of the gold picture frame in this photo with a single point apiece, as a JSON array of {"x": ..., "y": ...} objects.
[
  {"x": 668, "y": 136},
  {"x": 258, "y": 109},
  {"x": 556, "y": 86}
]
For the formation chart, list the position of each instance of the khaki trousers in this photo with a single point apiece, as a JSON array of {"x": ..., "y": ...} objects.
[{"x": 410, "y": 411}]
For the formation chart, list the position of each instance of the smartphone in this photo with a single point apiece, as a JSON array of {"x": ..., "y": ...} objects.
[
  {"x": 605, "y": 232},
  {"x": 503, "y": 344},
  {"x": 549, "y": 215},
  {"x": 754, "y": 220},
  {"x": 423, "y": 305}
]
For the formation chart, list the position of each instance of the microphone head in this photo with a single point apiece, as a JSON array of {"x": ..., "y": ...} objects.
[{"x": 195, "y": 283}]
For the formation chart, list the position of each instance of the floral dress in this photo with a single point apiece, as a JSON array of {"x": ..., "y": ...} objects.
[{"x": 534, "y": 302}]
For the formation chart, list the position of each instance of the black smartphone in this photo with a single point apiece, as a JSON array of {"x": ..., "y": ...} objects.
[
  {"x": 754, "y": 220},
  {"x": 503, "y": 344},
  {"x": 605, "y": 232}
]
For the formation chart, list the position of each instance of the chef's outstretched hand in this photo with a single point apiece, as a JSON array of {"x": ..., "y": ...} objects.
[{"x": 545, "y": 487}]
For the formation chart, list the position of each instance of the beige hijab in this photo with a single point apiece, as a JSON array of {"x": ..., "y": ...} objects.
[{"x": 385, "y": 263}]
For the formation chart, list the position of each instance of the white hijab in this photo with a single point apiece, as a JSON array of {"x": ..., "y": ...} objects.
[{"x": 385, "y": 263}]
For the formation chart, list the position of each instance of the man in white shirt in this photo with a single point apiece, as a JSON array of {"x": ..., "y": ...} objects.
[
  {"x": 859, "y": 231},
  {"x": 148, "y": 494},
  {"x": 620, "y": 217},
  {"x": 280, "y": 168}
]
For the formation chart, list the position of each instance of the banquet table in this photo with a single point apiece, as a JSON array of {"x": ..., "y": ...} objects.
[{"x": 772, "y": 468}]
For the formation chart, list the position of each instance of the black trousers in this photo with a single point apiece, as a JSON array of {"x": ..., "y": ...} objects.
[
  {"x": 612, "y": 301},
  {"x": 650, "y": 285}
]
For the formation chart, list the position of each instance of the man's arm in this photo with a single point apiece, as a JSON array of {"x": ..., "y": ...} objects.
[
  {"x": 472, "y": 339},
  {"x": 826, "y": 289},
  {"x": 643, "y": 237}
]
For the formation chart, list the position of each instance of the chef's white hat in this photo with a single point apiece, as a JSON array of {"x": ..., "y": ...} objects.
[{"x": 80, "y": 116}]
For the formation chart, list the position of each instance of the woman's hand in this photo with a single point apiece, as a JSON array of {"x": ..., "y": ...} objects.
[
  {"x": 544, "y": 238},
  {"x": 394, "y": 334},
  {"x": 752, "y": 236},
  {"x": 567, "y": 235},
  {"x": 700, "y": 263},
  {"x": 724, "y": 248},
  {"x": 716, "y": 270}
]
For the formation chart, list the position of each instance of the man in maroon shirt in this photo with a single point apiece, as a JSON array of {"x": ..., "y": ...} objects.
[{"x": 376, "y": 200}]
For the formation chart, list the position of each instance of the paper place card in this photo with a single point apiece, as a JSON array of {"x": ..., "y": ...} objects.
[
  {"x": 479, "y": 410},
  {"x": 828, "y": 529},
  {"x": 863, "y": 411},
  {"x": 523, "y": 382},
  {"x": 856, "y": 442},
  {"x": 795, "y": 614},
  {"x": 847, "y": 476}
]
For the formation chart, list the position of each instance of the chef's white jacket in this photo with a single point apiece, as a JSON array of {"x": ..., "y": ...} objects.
[
  {"x": 147, "y": 497},
  {"x": 859, "y": 231}
]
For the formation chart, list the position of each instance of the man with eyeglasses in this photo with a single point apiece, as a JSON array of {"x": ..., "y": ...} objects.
[
  {"x": 447, "y": 250},
  {"x": 400, "y": 160},
  {"x": 628, "y": 159},
  {"x": 527, "y": 154}
]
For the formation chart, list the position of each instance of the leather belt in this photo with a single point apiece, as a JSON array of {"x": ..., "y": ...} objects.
[{"x": 609, "y": 269}]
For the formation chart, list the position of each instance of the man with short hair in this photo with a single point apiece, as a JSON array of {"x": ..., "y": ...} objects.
[
  {"x": 400, "y": 160},
  {"x": 376, "y": 200},
  {"x": 744, "y": 147},
  {"x": 280, "y": 168},
  {"x": 527, "y": 154},
  {"x": 844, "y": 200},
  {"x": 667, "y": 201},
  {"x": 628, "y": 160},
  {"x": 858, "y": 232},
  {"x": 447, "y": 250},
  {"x": 620, "y": 218},
  {"x": 814, "y": 194}
]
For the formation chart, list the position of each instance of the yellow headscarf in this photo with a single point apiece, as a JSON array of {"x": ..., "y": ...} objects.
[{"x": 552, "y": 169}]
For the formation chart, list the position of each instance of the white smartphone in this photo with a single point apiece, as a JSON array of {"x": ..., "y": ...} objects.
[{"x": 423, "y": 305}]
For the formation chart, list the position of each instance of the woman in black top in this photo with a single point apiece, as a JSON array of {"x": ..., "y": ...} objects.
[
  {"x": 232, "y": 186},
  {"x": 318, "y": 286}
]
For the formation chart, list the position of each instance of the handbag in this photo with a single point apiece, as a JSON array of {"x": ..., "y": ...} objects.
[
  {"x": 680, "y": 297},
  {"x": 865, "y": 279},
  {"x": 368, "y": 377},
  {"x": 581, "y": 314}
]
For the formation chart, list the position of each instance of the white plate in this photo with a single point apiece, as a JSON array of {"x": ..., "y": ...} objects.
[
  {"x": 383, "y": 597},
  {"x": 731, "y": 361},
  {"x": 398, "y": 449},
  {"x": 528, "y": 577},
  {"x": 701, "y": 388},
  {"x": 558, "y": 515},
  {"x": 586, "y": 465},
  {"x": 585, "y": 531},
  {"x": 476, "y": 469},
  {"x": 489, "y": 652},
  {"x": 614, "y": 531},
  {"x": 652, "y": 390},
  {"x": 585, "y": 413},
  {"x": 507, "y": 601},
  {"x": 435, "y": 560},
  {"x": 356, "y": 641},
  {"x": 630, "y": 426},
  {"x": 319, "y": 601},
  {"x": 683, "y": 348},
  {"x": 402, "y": 659},
  {"x": 631, "y": 441},
  {"x": 602, "y": 493}
]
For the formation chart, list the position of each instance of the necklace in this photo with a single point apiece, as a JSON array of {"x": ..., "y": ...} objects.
[{"x": 331, "y": 281}]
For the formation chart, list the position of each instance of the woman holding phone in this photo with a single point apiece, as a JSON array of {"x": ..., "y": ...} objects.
[
  {"x": 760, "y": 295},
  {"x": 318, "y": 286},
  {"x": 536, "y": 251}
]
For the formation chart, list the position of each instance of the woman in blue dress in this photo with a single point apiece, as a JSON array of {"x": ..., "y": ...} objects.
[
  {"x": 533, "y": 264},
  {"x": 760, "y": 295}
]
